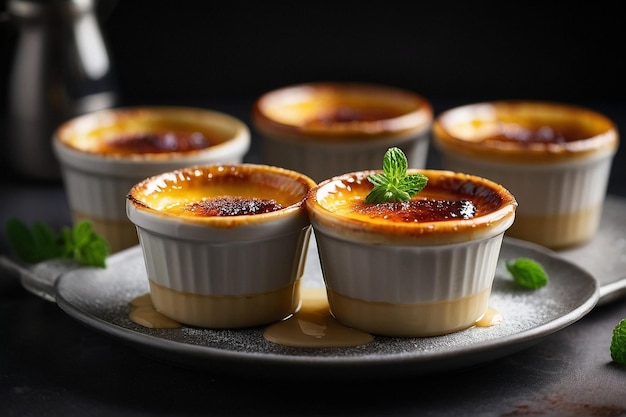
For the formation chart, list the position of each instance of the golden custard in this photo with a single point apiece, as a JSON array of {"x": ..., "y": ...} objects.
[
  {"x": 220, "y": 192},
  {"x": 340, "y": 111},
  {"x": 226, "y": 311},
  {"x": 451, "y": 206},
  {"x": 312, "y": 326},
  {"x": 146, "y": 131},
  {"x": 530, "y": 132}
]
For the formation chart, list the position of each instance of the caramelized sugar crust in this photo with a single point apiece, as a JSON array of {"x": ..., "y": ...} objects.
[
  {"x": 144, "y": 131},
  {"x": 347, "y": 111},
  {"x": 157, "y": 142},
  {"x": 423, "y": 210},
  {"x": 451, "y": 205},
  {"x": 232, "y": 206},
  {"x": 524, "y": 131},
  {"x": 222, "y": 190}
]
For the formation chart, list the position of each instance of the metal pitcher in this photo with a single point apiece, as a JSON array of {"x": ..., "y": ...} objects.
[{"x": 61, "y": 68}]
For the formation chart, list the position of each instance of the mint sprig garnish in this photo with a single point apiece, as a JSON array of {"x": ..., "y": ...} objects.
[
  {"x": 618, "y": 343},
  {"x": 527, "y": 273},
  {"x": 39, "y": 242},
  {"x": 394, "y": 184}
]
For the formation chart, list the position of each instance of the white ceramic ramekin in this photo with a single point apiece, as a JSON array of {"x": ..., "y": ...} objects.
[
  {"x": 401, "y": 275},
  {"x": 329, "y": 128},
  {"x": 555, "y": 158},
  {"x": 223, "y": 271},
  {"x": 96, "y": 181}
]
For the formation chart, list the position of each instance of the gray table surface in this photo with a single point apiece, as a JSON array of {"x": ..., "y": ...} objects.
[{"x": 52, "y": 365}]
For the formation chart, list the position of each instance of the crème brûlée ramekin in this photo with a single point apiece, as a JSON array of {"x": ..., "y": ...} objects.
[
  {"x": 224, "y": 245},
  {"x": 419, "y": 268},
  {"x": 324, "y": 129},
  {"x": 554, "y": 157},
  {"x": 104, "y": 153}
]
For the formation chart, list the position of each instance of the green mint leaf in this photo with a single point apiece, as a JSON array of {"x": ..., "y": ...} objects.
[
  {"x": 82, "y": 233},
  {"x": 95, "y": 253},
  {"x": 527, "y": 273},
  {"x": 378, "y": 179},
  {"x": 395, "y": 163},
  {"x": 394, "y": 184},
  {"x": 84, "y": 245},
  {"x": 413, "y": 184},
  {"x": 39, "y": 242},
  {"x": 33, "y": 244},
  {"x": 618, "y": 343}
]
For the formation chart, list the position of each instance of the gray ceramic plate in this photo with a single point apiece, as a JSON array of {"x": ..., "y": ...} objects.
[{"x": 99, "y": 298}]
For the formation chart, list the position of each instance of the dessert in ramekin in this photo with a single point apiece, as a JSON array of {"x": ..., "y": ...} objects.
[
  {"x": 554, "y": 157},
  {"x": 418, "y": 268},
  {"x": 224, "y": 245},
  {"x": 325, "y": 129},
  {"x": 104, "y": 153}
]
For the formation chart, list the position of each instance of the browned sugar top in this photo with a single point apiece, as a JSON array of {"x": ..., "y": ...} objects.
[
  {"x": 538, "y": 134},
  {"x": 161, "y": 142},
  {"x": 232, "y": 206},
  {"x": 344, "y": 114},
  {"x": 443, "y": 198},
  {"x": 222, "y": 191},
  {"x": 426, "y": 210},
  {"x": 524, "y": 132}
]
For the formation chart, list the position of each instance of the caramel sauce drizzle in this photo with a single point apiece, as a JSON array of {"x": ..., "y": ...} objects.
[{"x": 311, "y": 327}]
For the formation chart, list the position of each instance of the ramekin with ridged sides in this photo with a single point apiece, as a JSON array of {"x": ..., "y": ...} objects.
[
  {"x": 412, "y": 269},
  {"x": 554, "y": 157},
  {"x": 224, "y": 245},
  {"x": 323, "y": 129},
  {"x": 104, "y": 153}
]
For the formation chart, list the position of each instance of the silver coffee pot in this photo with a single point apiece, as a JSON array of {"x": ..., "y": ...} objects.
[{"x": 62, "y": 68}]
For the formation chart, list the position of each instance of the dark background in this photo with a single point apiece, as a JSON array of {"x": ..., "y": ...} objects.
[
  {"x": 223, "y": 55},
  {"x": 204, "y": 50}
]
